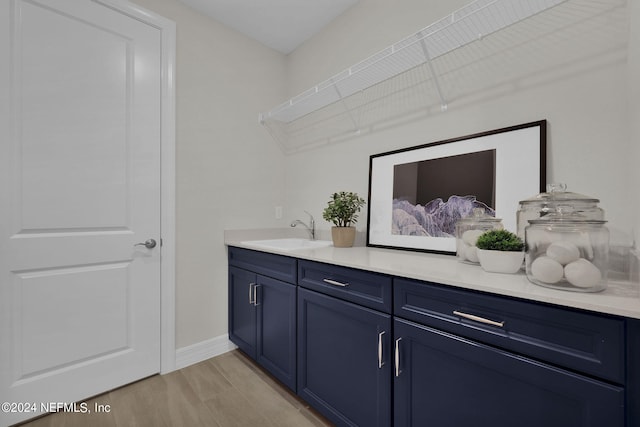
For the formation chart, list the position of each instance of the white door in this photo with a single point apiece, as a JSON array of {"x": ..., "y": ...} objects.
[{"x": 79, "y": 188}]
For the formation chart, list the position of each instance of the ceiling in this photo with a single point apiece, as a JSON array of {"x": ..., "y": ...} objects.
[{"x": 280, "y": 24}]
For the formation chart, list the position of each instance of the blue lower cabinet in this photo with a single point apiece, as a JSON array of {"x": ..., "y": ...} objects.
[
  {"x": 443, "y": 380},
  {"x": 242, "y": 311},
  {"x": 276, "y": 335},
  {"x": 633, "y": 372},
  {"x": 344, "y": 360},
  {"x": 438, "y": 356},
  {"x": 262, "y": 322}
]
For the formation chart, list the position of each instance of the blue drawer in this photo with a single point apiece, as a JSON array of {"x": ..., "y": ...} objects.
[
  {"x": 585, "y": 342},
  {"x": 373, "y": 290},
  {"x": 270, "y": 265}
]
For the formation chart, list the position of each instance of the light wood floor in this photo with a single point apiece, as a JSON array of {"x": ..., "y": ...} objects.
[{"x": 228, "y": 390}]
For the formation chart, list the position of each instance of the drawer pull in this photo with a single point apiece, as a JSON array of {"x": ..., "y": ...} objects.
[
  {"x": 479, "y": 319},
  {"x": 333, "y": 282},
  {"x": 380, "y": 361}
]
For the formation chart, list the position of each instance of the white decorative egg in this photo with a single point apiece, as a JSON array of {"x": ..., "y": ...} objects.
[
  {"x": 583, "y": 241},
  {"x": 470, "y": 237},
  {"x": 471, "y": 254},
  {"x": 563, "y": 252},
  {"x": 582, "y": 273},
  {"x": 546, "y": 270}
]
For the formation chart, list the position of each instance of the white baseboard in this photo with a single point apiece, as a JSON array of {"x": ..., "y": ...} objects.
[{"x": 203, "y": 350}]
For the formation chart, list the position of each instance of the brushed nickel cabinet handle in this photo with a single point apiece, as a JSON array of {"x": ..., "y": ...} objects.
[
  {"x": 333, "y": 282},
  {"x": 252, "y": 294},
  {"x": 479, "y": 319},
  {"x": 255, "y": 295},
  {"x": 380, "y": 362},
  {"x": 397, "y": 357}
]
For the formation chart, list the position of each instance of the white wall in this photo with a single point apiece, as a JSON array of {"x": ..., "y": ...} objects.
[
  {"x": 634, "y": 113},
  {"x": 229, "y": 173},
  {"x": 576, "y": 81}
]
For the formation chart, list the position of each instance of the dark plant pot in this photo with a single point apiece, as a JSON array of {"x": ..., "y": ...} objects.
[{"x": 343, "y": 237}]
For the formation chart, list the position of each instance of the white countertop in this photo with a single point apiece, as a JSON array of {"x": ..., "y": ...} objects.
[{"x": 620, "y": 298}]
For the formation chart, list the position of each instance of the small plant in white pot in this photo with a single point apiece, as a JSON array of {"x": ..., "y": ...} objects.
[
  {"x": 500, "y": 251},
  {"x": 342, "y": 210}
]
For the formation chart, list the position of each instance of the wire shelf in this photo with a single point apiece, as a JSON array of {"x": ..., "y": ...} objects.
[{"x": 419, "y": 73}]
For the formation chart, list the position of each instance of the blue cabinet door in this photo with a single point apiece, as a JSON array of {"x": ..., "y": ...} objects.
[
  {"x": 276, "y": 335},
  {"x": 443, "y": 380},
  {"x": 242, "y": 310},
  {"x": 344, "y": 360}
]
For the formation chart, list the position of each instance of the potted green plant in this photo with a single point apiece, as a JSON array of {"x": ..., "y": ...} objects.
[
  {"x": 342, "y": 210},
  {"x": 500, "y": 251}
]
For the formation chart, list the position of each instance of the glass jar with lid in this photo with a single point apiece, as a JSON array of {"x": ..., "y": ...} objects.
[
  {"x": 468, "y": 230},
  {"x": 557, "y": 195},
  {"x": 567, "y": 250}
]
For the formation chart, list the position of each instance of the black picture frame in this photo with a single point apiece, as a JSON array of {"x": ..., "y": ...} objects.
[{"x": 412, "y": 202}]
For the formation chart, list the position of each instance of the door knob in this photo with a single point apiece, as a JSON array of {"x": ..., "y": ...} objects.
[{"x": 149, "y": 244}]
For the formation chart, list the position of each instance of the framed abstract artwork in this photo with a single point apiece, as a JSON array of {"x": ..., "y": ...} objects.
[{"x": 417, "y": 194}]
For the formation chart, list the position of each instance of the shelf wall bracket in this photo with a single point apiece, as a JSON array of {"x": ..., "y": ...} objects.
[
  {"x": 425, "y": 50},
  {"x": 356, "y": 128}
]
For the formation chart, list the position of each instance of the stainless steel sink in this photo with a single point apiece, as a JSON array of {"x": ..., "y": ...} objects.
[{"x": 288, "y": 244}]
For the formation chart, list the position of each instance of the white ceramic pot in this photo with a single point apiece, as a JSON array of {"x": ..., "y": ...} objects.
[{"x": 500, "y": 261}]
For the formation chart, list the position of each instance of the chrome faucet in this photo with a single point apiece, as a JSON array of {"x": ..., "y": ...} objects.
[{"x": 311, "y": 228}]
